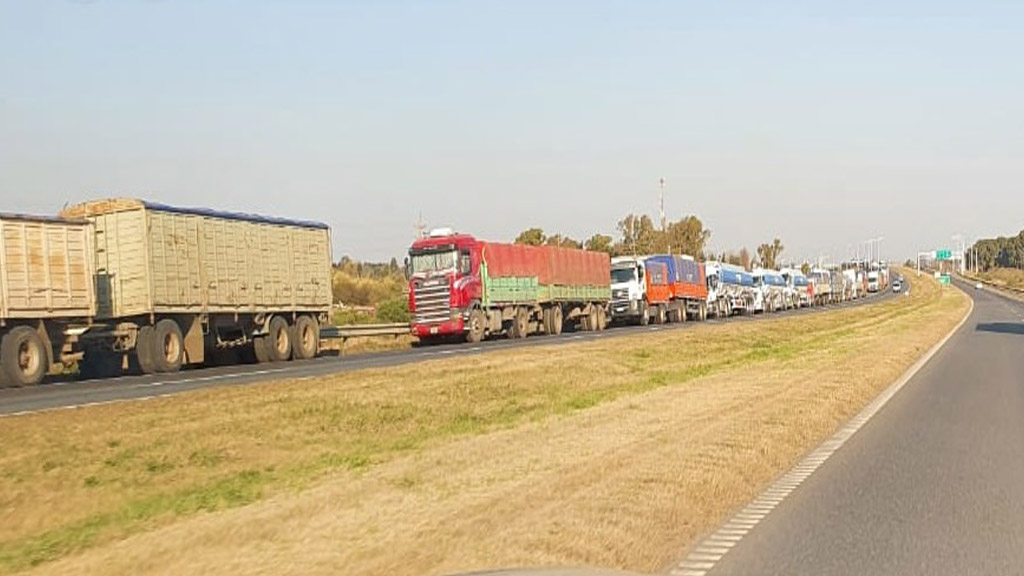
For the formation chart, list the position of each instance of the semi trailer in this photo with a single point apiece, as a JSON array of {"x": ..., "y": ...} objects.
[
  {"x": 731, "y": 289},
  {"x": 682, "y": 286},
  {"x": 125, "y": 284},
  {"x": 47, "y": 294},
  {"x": 176, "y": 285}
]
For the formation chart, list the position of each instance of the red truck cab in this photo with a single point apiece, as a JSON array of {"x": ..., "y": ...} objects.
[{"x": 444, "y": 281}]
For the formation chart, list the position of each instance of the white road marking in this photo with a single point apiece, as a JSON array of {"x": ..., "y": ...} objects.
[
  {"x": 711, "y": 550},
  {"x": 704, "y": 557},
  {"x": 678, "y": 572},
  {"x": 733, "y": 531}
]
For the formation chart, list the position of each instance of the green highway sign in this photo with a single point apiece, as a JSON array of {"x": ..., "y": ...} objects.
[
  {"x": 943, "y": 254},
  {"x": 944, "y": 279}
]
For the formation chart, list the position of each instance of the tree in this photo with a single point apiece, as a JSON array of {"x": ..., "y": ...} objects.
[
  {"x": 638, "y": 235},
  {"x": 769, "y": 254},
  {"x": 805, "y": 268},
  {"x": 599, "y": 243},
  {"x": 745, "y": 258},
  {"x": 685, "y": 236},
  {"x": 562, "y": 241},
  {"x": 531, "y": 237},
  {"x": 731, "y": 258}
]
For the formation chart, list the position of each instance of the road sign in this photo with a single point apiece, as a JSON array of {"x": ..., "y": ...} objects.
[
  {"x": 943, "y": 254},
  {"x": 944, "y": 279}
]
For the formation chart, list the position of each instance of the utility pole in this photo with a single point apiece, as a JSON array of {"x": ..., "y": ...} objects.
[
  {"x": 661, "y": 186},
  {"x": 420, "y": 226}
]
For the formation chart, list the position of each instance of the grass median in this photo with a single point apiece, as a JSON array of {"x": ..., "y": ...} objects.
[{"x": 613, "y": 453}]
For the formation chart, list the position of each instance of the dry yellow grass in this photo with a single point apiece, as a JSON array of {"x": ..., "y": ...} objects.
[{"x": 612, "y": 453}]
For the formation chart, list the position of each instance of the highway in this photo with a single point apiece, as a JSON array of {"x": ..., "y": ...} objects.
[
  {"x": 932, "y": 483},
  {"x": 71, "y": 394}
]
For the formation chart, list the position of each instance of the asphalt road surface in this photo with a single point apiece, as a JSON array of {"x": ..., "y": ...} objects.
[
  {"x": 71, "y": 394},
  {"x": 932, "y": 484}
]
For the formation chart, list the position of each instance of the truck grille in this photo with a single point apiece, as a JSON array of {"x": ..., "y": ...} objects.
[
  {"x": 620, "y": 294},
  {"x": 433, "y": 302}
]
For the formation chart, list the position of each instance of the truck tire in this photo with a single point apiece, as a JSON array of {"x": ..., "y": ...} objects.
[
  {"x": 278, "y": 341},
  {"x": 259, "y": 349},
  {"x": 556, "y": 320},
  {"x": 703, "y": 314},
  {"x": 305, "y": 338},
  {"x": 477, "y": 326},
  {"x": 645, "y": 314},
  {"x": 168, "y": 346},
  {"x": 23, "y": 357},
  {"x": 545, "y": 316},
  {"x": 602, "y": 318},
  {"x": 659, "y": 314},
  {"x": 145, "y": 349},
  {"x": 520, "y": 324}
]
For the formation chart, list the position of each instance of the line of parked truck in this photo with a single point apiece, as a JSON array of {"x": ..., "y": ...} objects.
[
  {"x": 464, "y": 288},
  {"x": 122, "y": 285}
]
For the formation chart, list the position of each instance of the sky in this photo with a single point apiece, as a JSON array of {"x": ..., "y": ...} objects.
[{"x": 822, "y": 123}]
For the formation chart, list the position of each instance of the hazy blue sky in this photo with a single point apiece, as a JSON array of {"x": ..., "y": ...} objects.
[{"x": 823, "y": 123}]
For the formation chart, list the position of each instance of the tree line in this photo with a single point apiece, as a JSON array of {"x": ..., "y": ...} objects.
[
  {"x": 638, "y": 235},
  {"x": 1001, "y": 252}
]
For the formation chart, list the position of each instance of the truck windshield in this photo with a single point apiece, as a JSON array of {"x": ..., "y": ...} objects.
[
  {"x": 620, "y": 275},
  {"x": 426, "y": 262}
]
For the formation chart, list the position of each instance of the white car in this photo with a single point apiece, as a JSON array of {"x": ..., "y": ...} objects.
[
  {"x": 896, "y": 287},
  {"x": 978, "y": 286}
]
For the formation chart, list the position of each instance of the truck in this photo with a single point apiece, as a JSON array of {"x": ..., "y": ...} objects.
[
  {"x": 730, "y": 289},
  {"x": 175, "y": 286},
  {"x": 873, "y": 281},
  {"x": 799, "y": 292},
  {"x": 464, "y": 288},
  {"x": 46, "y": 294},
  {"x": 770, "y": 292},
  {"x": 629, "y": 302},
  {"x": 686, "y": 294},
  {"x": 821, "y": 287}
]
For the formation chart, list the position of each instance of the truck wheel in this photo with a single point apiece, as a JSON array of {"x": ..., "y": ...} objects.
[
  {"x": 702, "y": 315},
  {"x": 23, "y": 357},
  {"x": 305, "y": 338},
  {"x": 520, "y": 323},
  {"x": 645, "y": 314},
  {"x": 556, "y": 320},
  {"x": 278, "y": 341},
  {"x": 259, "y": 349},
  {"x": 145, "y": 349},
  {"x": 602, "y": 319},
  {"x": 659, "y": 314},
  {"x": 476, "y": 326},
  {"x": 168, "y": 346}
]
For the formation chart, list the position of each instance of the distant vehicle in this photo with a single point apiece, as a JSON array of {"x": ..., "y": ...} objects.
[
  {"x": 897, "y": 286},
  {"x": 874, "y": 282},
  {"x": 978, "y": 286}
]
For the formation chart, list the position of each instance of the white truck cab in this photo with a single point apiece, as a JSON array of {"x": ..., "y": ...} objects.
[{"x": 629, "y": 290}]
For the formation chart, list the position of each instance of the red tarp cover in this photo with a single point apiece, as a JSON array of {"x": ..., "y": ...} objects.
[{"x": 550, "y": 265}]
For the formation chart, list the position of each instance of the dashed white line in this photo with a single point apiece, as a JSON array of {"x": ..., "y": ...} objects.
[{"x": 745, "y": 520}]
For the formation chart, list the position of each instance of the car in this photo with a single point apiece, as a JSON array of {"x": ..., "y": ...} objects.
[
  {"x": 978, "y": 286},
  {"x": 896, "y": 287}
]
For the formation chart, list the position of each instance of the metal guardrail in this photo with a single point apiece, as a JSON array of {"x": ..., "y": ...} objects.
[
  {"x": 363, "y": 330},
  {"x": 973, "y": 278}
]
